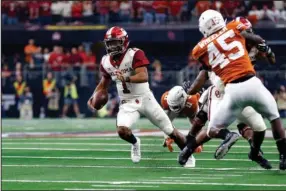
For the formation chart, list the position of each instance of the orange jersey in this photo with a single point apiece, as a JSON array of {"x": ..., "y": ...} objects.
[
  {"x": 225, "y": 53},
  {"x": 191, "y": 106}
]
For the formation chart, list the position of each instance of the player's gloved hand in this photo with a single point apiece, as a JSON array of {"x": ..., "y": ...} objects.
[
  {"x": 264, "y": 48},
  {"x": 186, "y": 85}
]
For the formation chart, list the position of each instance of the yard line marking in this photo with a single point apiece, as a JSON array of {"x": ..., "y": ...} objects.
[
  {"x": 112, "y": 144},
  {"x": 201, "y": 178},
  {"x": 217, "y": 175},
  {"x": 123, "y": 158},
  {"x": 130, "y": 167},
  {"x": 95, "y": 189},
  {"x": 109, "y": 150},
  {"x": 101, "y": 138},
  {"x": 148, "y": 182},
  {"x": 125, "y": 186}
]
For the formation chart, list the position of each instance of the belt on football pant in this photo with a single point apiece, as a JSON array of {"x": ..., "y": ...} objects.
[{"x": 242, "y": 79}]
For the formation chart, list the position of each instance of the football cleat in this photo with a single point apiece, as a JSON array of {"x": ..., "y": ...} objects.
[
  {"x": 136, "y": 151},
  {"x": 184, "y": 155},
  {"x": 225, "y": 146},
  {"x": 168, "y": 143},
  {"x": 264, "y": 163},
  {"x": 191, "y": 163},
  {"x": 282, "y": 164}
]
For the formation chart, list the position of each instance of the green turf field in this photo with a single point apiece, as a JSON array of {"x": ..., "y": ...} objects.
[{"x": 103, "y": 163}]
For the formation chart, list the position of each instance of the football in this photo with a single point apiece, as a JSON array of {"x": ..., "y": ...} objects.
[{"x": 99, "y": 99}]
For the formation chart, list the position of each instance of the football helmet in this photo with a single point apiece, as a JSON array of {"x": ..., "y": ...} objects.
[
  {"x": 116, "y": 41},
  {"x": 210, "y": 22},
  {"x": 176, "y": 99}
]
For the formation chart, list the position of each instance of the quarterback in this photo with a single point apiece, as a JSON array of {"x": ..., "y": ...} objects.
[{"x": 128, "y": 68}]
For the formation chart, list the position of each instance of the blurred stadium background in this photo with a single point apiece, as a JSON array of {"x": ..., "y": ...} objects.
[{"x": 51, "y": 52}]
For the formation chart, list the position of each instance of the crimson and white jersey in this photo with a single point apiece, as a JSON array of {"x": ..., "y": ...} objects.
[{"x": 126, "y": 65}]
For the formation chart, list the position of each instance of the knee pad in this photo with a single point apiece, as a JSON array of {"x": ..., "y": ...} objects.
[{"x": 259, "y": 125}]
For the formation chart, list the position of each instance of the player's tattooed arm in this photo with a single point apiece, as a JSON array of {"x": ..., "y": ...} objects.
[
  {"x": 198, "y": 83},
  {"x": 141, "y": 75},
  {"x": 252, "y": 37}
]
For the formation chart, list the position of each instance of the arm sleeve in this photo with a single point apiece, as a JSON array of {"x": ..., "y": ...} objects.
[{"x": 139, "y": 59}]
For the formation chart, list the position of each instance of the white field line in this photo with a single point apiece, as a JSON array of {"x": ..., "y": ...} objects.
[
  {"x": 110, "y": 150},
  {"x": 174, "y": 180},
  {"x": 124, "y": 186},
  {"x": 200, "y": 178},
  {"x": 115, "y": 158},
  {"x": 96, "y": 189},
  {"x": 112, "y": 144},
  {"x": 100, "y": 138},
  {"x": 147, "y": 182},
  {"x": 128, "y": 167},
  {"x": 216, "y": 175}
]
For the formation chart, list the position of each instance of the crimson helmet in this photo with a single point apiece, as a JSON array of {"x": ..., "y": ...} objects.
[
  {"x": 116, "y": 40},
  {"x": 244, "y": 21}
]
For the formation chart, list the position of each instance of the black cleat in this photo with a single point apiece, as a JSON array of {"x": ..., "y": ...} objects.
[
  {"x": 224, "y": 147},
  {"x": 184, "y": 155},
  {"x": 264, "y": 163},
  {"x": 282, "y": 164}
]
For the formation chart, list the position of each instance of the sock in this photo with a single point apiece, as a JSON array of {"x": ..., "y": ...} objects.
[
  {"x": 131, "y": 139},
  {"x": 222, "y": 133},
  {"x": 191, "y": 141},
  {"x": 257, "y": 140},
  {"x": 281, "y": 145}
]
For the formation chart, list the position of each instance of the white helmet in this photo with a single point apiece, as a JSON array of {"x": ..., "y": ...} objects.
[
  {"x": 176, "y": 99},
  {"x": 210, "y": 22}
]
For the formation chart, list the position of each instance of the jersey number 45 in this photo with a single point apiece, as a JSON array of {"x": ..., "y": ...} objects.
[{"x": 217, "y": 58}]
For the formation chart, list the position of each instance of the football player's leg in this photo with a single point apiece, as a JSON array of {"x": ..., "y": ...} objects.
[
  {"x": 266, "y": 105},
  {"x": 250, "y": 122},
  {"x": 245, "y": 131},
  {"x": 167, "y": 140},
  {"x": 125, "y": 120},
  {"x": 225, "y": 114},
  {"x": 199, "y": 120},
  {"x": 256, "y": 136},
  {"x": 154, "y": 112},
  {"x": 196, "y": 130}
]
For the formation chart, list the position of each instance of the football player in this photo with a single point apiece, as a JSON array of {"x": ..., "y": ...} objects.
[
  {"x": 176, "y": 102},
  {"x": 223, "y": 51},
  {"x": 212, "y": 96},
  {"x": 128, "y": 68}
]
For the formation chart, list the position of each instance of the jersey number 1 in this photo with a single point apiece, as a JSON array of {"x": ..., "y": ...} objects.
[{"x": 218, "y": 58}]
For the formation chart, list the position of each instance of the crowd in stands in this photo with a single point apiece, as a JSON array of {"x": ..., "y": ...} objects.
[
  {"x": 37, "y": 63},
  {"x": 146, "y": 12},
  {"x": 60, "y": 69}
]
